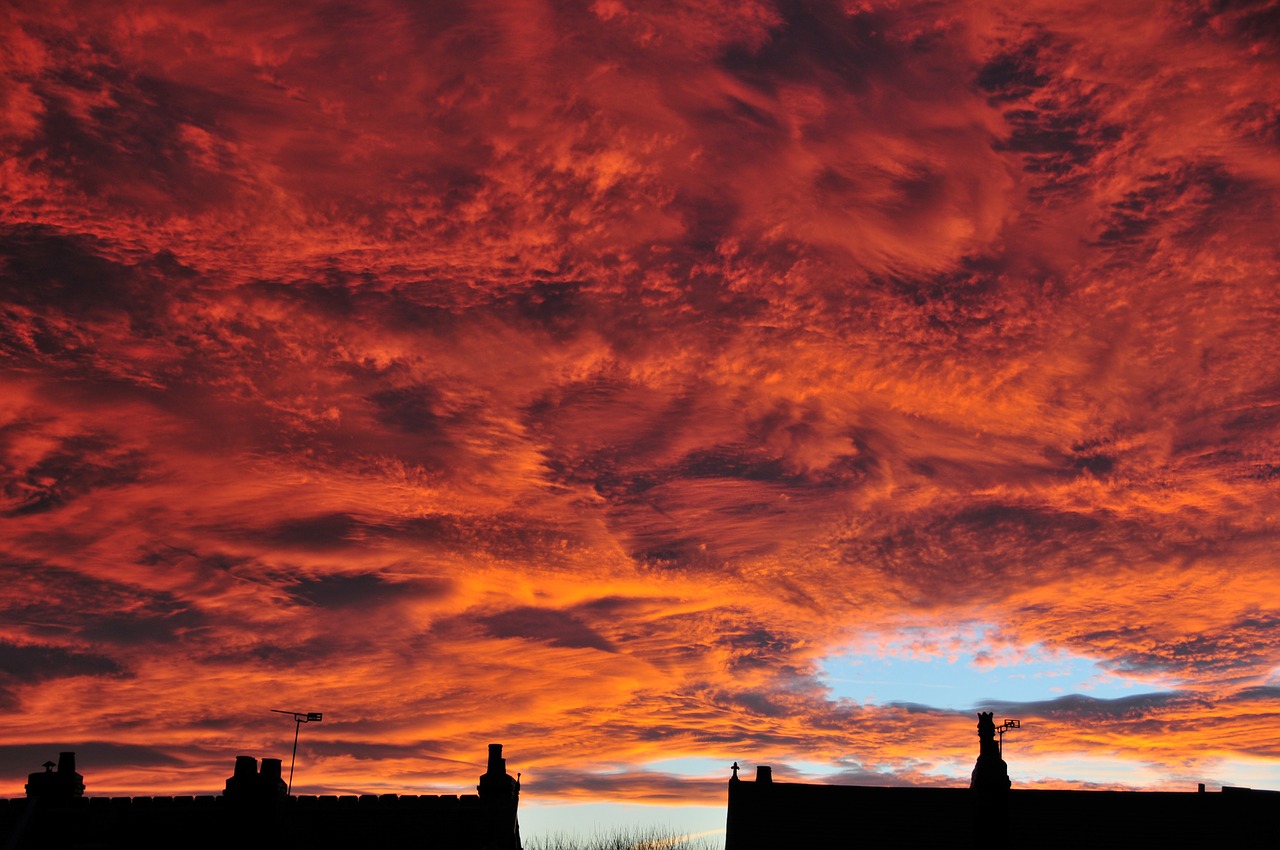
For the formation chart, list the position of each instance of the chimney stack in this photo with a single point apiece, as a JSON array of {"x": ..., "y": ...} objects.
[
  {"x": 270, "y": 783},
  {"x": 244, "y": 781},
  {"x": 499, "y": 799},
  {"x": 62, "y": 785},
  {"x": 497, "y": 764}
]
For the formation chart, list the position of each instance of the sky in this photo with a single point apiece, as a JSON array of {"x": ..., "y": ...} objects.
[{"x": 645, "y": 386}]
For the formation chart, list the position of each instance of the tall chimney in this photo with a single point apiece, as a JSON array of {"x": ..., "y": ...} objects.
[
  {"x": 497, "y": 764},
  {"x": 244, "y": 781},
  {"x": 270, "y": 783},
  {"x": 70, "y": 782},
  {"x": 246, "y": 768},
  {"x": 499, "y": 798}
]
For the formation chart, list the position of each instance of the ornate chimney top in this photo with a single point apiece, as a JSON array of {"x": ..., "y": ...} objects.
[{"x": 990, "y": 773}]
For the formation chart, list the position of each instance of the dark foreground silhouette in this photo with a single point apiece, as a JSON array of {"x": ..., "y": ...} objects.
[
  {"x": 990, "y": 815},
  {"x": 256, "y": 812}
]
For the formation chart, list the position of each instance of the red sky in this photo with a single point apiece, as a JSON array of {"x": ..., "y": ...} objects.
[{"x": 589, "y": 376}]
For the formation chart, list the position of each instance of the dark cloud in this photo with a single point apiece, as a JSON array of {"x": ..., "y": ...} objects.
[
  {"x": 1245, "y": 644},
  {"x": 1015, "y": 73},
  {"x": 127, "y": 136},
  {"x": 69, "y": 605},
  {"x": 410, "y": 409},
  {"x": 1262, "y": 694},
  {"x": 78, "y": 466},
  {"x": 364, "y": 589},
  {"x": 20, "y": 759},
  {"x": 1056, "y": 123},
  {"x": 1061, "y": 142},
  {"x": 64, "y": 271},
  {"x": 508, "y": 535},
  {"x": 24, "y": 665},
  {"x": 166, "y": 622},
  {"x": 361, "y": 749},
  {"x": 1082, "y": 709},
  {"x": 298, "y": 657},
  {"x": 819, "y": 39},
  {"x": 29, "y": 663},
  {"x": 64, "y": 300},
  {"x": 558, "y": 628},
  {"x": 950, "y": 552},
  {"x": 1186, "y": 196},
  {"x": 322, "y": 532}
]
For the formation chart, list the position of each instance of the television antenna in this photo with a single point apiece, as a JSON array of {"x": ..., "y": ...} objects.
[
  {"x": 1002, "y": 728},
  {"x": 299, "y": 717}
]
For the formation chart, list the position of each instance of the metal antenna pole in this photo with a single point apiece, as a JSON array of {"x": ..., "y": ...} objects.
[
  {"x": 297, "y": 727},
  {"x": 1005, "y": 727},
  {"x": 299, "y": 717}
]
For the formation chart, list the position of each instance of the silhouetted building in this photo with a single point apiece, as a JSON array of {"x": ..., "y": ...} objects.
[
  {"x": 989, "y": 786},
  {"x": 767, "y": 815},
  {"x": 990, "y": 773},
  {"x": 255, "y": 811},
  {"x": 63, "y": 786}
]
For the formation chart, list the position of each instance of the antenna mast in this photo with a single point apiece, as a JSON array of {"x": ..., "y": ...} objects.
[{"x": 299, "y": 717}]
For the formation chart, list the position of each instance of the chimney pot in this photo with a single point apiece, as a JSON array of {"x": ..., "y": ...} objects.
[{"x": 497, "y": 764}]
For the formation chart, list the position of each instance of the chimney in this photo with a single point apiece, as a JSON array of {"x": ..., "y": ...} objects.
[
  {"x": 270, "y": 782},
  {"x": 497, "y": 764},
  {"x": 764, "y": 774},
  {"x": 244, "y": 780},
  {"x": 70, "y": 783},
  {"x": 499, "y": 799},
  {"x": 60, "y": 786}
]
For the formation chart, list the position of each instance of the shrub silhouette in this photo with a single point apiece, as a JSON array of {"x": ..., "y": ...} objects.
[{"x": 641, "y": 838}]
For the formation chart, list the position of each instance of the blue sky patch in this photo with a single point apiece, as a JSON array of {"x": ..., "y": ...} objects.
[{"x": 963, "y": 669}]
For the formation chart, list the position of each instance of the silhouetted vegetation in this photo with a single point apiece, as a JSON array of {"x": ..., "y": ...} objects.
[{"x": 646, "y": 838}]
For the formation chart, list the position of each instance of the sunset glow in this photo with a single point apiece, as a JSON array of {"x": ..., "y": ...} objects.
[{"x": 643, "y": 385}]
